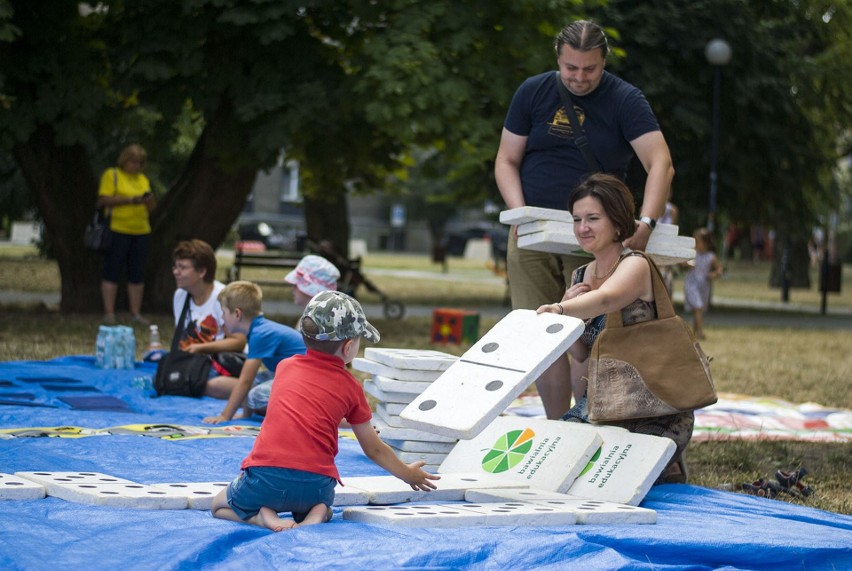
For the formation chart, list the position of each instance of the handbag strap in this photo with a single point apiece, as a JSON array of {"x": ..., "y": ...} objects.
[
  {"x": 665, "y": 309},
  {"x": 579, "y": 134},
  {"x": 180, "y": 325},
  {"x": 105, "y": 212}
]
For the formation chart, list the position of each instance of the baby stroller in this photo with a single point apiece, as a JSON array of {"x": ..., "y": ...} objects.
[{"x": 351, "y": 277}]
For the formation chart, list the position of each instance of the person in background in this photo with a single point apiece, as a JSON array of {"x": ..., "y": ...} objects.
[
  {"x": 538, "y": 163},
  {"x": 126, "y": 193},
  {"x": 602, "y": 208},
  {"x": 194, "y": 269},
  {"x": 312, "y": 275},
  {"x": 269, "y": 343},
  {"x": 696, "y": 285}
]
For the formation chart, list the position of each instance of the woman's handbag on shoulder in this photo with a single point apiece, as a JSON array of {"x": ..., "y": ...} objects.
[
  {"x": 97, "y": 236},
  {"x": 648, "y": 369}
]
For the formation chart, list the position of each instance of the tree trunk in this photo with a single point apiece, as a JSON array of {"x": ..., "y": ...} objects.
[
  {"x": 65, "y": 187},
  {"x": 327, "y": 218},
  {"x": 790, "y": 262},
  {"x": 203, "y": 203}
]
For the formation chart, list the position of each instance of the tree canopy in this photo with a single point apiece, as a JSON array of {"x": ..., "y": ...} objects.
[{"x": 357, "y": 89}]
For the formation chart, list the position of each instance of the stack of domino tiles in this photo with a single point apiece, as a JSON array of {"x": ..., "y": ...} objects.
[
  {"x": 552, "y": 231},
  {"x": 398, "y": 376}
]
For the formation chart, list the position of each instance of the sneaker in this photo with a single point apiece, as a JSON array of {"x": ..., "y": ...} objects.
[
  {"x": 109, "y": 319},
  {"x": 140, "y": 320}
]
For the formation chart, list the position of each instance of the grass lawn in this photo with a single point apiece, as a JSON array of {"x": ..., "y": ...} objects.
[{"x": 798, "y": 365}]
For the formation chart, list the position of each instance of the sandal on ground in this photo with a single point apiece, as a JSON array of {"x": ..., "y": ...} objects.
[
  {"x": 762, "y": 488},
  {"x": 789, "y": 479},
  {"x": 791, "y": 482}
]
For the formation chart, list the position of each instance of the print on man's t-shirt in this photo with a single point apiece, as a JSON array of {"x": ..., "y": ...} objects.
[{"x": 560, "y": 125}]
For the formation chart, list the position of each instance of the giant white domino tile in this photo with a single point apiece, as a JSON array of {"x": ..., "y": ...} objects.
[
  {"x": 431, "y": 458},
  {"x": 666, "y": 250},
  {"x": 548, "y": 230},
  {"x": 544, "y": 454},
  {"x": 376, "y": 368},
  {"x": 389, "y": 385},
  {"x": 626, "y": 466},
  {"x": 394, "y": 408},
  {"x": 100, "y": 489},
  {"x": 587, "y": 511},
  {"x": 534, "y": 214},
  {"x": 663, "y": 253},
  {"x": 420, "y": 359},
  {"x": 384, "y": 490},
  {"x": 461, "y": 515},
  {"x": 420, "y": 446},
  {"x": 199, "y": 495},
  {"x": 350, "y": 495},
  {"x": 663, "y": 232},
  {"x": 389, "y": 432},
  {"x": 46, "y": 478},
  {"x": 525, "y": 214},
  {"x": 492, "y": 373},
  {"x": 17, "y": 488},
  {"x": 372, "y": 389},
  {"x": 389, "y": 419}
]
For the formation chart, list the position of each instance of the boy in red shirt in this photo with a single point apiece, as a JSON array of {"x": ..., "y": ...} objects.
[{"x": 291, "y": 466}]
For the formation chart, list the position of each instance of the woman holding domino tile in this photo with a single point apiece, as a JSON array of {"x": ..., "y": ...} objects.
[{"x": 603, "y": 212}]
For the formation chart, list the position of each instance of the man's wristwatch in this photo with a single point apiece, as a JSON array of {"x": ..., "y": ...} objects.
[{"x": 649, "y": 221}]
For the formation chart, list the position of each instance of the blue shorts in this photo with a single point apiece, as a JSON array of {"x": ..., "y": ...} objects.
[
  {"x": 281, "y": 489},
  {"x": 258, "y": 396}
]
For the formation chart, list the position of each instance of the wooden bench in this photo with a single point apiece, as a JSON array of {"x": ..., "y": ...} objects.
[{"x": 269, "y": 259}]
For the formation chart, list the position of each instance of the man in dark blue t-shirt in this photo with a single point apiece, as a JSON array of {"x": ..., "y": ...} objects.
[{"x": 538, "y": 164}]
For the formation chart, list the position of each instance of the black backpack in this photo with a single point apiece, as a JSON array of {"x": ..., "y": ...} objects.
[{"x": 182, "y": 374}]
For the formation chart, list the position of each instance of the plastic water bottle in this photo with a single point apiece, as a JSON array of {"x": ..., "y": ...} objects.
[
  {"x": 144, "y": 383},
  {"x": 155, "y": 349},
  {"x": 124, "y": 348},
  {"x": 100, "y": 346}
]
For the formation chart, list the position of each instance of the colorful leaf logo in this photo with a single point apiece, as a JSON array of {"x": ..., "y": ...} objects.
[
  {"x": 591, "y": 461},
  {"x": 508, "y": 451}
]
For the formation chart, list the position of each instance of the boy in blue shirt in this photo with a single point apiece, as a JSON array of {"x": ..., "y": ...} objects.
[{"x": 268, "y": 342}]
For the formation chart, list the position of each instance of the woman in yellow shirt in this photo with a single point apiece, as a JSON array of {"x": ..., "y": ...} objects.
[{"x": 126, "y": 192}]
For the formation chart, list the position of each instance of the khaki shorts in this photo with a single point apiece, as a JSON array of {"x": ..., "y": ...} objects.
[{"x": 536, "y": 278}]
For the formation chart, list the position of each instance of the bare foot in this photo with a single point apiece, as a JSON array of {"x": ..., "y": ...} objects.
[
  {"x": 268, "y": 518},
  {"x": 320, "y": 513}
]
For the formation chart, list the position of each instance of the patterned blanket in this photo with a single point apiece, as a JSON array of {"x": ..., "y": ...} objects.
[{"x": 743, "y": 417}]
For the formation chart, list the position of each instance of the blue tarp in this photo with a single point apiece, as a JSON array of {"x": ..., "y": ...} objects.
[{"x": 696, "y": 528}]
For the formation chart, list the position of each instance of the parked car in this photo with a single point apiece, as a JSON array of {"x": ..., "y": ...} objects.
[
  {"x": 498, "y": 234},
  {"x": 272, "y": 235}
]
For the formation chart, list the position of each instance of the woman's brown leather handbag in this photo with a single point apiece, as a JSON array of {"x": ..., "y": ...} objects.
[{"x": 648, "y": 369}]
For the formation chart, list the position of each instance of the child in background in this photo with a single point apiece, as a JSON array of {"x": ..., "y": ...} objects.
[
  {"x": 312, "y": 275},
  {"x": 291, "y": 466},
  {"x": 696, "y": 285},
  {"x": 268, "y": 344}
]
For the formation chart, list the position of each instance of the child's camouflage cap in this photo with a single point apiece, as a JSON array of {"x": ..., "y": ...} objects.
[{"x": 338, "y": 317}]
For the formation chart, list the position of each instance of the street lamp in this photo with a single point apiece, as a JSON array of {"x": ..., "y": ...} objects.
[{"x": 718, "y": 54}]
